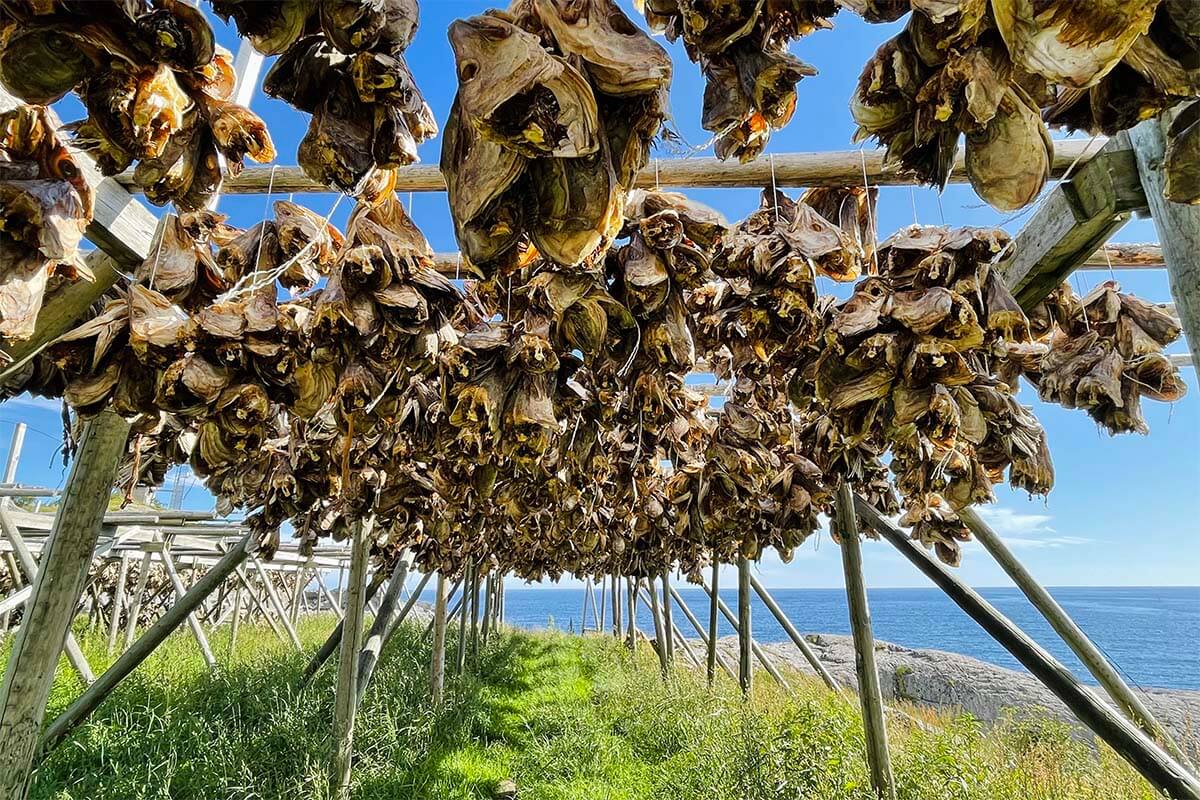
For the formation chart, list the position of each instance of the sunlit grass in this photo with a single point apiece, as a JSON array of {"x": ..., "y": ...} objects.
[{"x": 561, "y": 716}]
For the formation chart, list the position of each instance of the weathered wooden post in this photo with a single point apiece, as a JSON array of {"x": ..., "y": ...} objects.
[
  {"x": 474, "y": 599},
  {"x": 631, "y": 589},
  {"x": 754, "y": 648},
  {"x": 869, "y": 692},
  {"x": 668, "y": 623},
  {"x": 135, "y": 607},
  {"x": 236, "y": 623},
  {"x": 1128, "y": 740},
  {"x": 327, "y": 648},
  {"x": 713, "y": 621},
  {"x": 197, "y": 630},
  {"x": 10, "y": 476},
  {"x": 346, "y": 697},
  {"x": 616, "y": 605},
  {"x": 487, "y": 606},
  {"x": 373, "y": 644},
  {"x": 687, "y": 612},
  {"x": 114, "y": 623},
  {"x": 745, "y": 668},
  {"x": 133, "y": 656},
  {"x": 56, "y": 588},
  {"x": 794, "y": 634},
  {"x": 660, "y": 632},
  {"x": 437, "y": 671},
  {"x": 1091, "y": 657},
  {"x": 276, "y": 604},
  {"x": 1178, "y": 227},
  {"x": 460, "y": 655}
]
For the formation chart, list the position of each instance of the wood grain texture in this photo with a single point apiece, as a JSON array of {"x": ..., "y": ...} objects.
[
  {"x": 791, "y": 170},
  {"x": 870, "y": 694},
  {"x": 56, "y": 589},
  {"x": 345, "y": 704},
  {"x": 1178, "y": 228},
  {"x": 167, "y": 624}
]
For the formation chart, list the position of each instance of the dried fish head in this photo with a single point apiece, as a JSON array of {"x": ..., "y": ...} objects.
[
  {"x": 270, "y": 25},
  {"x": 177, "y": 34},
  {"x": 355, "y": 26},
  {"x": 1008, "y": 162},
  {"x": 518, "y": 94},
  {"x": 620, "y": 58},
  {"x": 41, "y": 64}
]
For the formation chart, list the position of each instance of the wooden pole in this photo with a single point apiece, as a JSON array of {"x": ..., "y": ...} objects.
[
  {"x": 408, "y": 606},
  {"x": 474, "y": 599},
  {"x": 193, "y": 623},
  {"x": 437, "y": 671},
  {"x": 276, "y": 604},
  {"x": 114, "y": 624},
  {"x": 603, "y": 605},
  {"x": 631, "y": 590},
  {"x": 56, "y": 588},
  {"x": 372, "y": 646},
  {"x": 713, "y": 621},
  {"x": 616, "y": 606},
  {"x": 794, "y": 634},
  {"x": 1178, "y": 227},
  {"x": 668, "y": 623},
  {"x": 460, "y": 655},
  {"x": 346, "y": 696},
  {"x": 327, "y": 648},
  {"x": 236, "y": 622},
  {"x": 16, "y": 444},
  {"x": 135, "y": 608},
  {"x": 676, "y": 634},
  {"x": 687, "y": 612},
  {"x": 660, "y": 632},
  {"x": 754, "y": 648},
  {"x": 297, "y": 590},
  {"x": 24, "y": 555},
  {"x": 244, "y": 580},
  {"x": 587, "y": 585},
  {"x": 869, "y": 692},
  {"x": 745, "y": 670},
  {"x": 1163, "y": 772},
  {"x": 487, "y": 607},
  {"x": 95, "y": 694},
  {"x": 1091, "y": 657}
]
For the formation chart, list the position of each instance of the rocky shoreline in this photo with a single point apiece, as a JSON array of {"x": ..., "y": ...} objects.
[{"x": 952, "y": 681}]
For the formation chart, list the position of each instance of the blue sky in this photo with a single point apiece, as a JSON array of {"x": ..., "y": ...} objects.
[{"x": 1125, "y": 510}]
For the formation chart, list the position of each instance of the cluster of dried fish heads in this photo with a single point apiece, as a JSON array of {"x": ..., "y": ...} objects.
[{"x": 156, "y": 86}]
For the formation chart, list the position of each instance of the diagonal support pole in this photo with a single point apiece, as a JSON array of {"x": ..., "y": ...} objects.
[
  {"x": 197, "y": 630},
  {"x": 717, "y": 658}
]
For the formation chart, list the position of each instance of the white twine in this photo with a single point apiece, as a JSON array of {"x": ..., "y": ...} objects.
[{"x": 774, "y": 188}]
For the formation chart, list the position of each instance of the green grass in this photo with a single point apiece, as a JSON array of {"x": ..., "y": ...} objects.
[{"x": 563, "y": 717}]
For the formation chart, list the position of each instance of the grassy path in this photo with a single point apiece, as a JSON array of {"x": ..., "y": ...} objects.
[{"x": 562, "y": 717}]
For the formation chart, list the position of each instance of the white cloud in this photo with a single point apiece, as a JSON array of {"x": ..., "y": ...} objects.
[{"x": 1030, "y": 531}]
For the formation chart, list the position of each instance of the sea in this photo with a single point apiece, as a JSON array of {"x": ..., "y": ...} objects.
[{"x": 1151, "y": 634}]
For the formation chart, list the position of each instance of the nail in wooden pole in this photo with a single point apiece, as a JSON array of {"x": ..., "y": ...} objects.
[
  {"x": 1128, "y": 740},
  {"x": 56, "y": 588},
  {"x": 346, "y": 696},
  {"x": 167, "y": 624},
  {"x": 869, "y": 692},
  {"x": 437, "y": 671}
]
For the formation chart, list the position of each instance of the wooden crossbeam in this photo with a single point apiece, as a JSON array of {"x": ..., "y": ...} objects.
[
  {"x": 1073, "y": 221},
  {"x": 789, "y": 170}
]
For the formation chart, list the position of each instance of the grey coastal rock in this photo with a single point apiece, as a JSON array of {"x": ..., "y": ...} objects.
[{"x": 952, "y": 681}]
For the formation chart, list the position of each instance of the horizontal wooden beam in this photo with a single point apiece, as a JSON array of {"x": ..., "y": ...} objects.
[{"x": 837, "y": 168}]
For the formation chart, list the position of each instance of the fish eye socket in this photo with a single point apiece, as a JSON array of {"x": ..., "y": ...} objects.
[
  {"x": 468, "y": 71},
  {"x": 621, "y": 24}
]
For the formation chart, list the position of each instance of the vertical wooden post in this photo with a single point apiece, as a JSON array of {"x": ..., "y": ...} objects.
[
  {"x": 341, "y": 592},
  {"x": 758, "y": 652},
  {"x": 745, "y": 668},
  {"x": 668, "y": 623},
  {"x": 1091, "y": 657},
  {"x": 487, "y": 606},
  {"x": 345, "y": 699},
  {"x": 1178, "y": 227},
  {"x": 713, "y": 621},
  {"x": 631, "y": 589},
  {"x": 794, "y": 634},
  {"x": 94, "y": 695},
  {"x": 869, "y": 691},
  {"x": 135, "y": 608},
  {"x": 474, "y": 600},
  {"x": 437, "y": 670},
  {"x": 236, "y": 623},
  {"x": 587, "y": 584},
  {"x": 616, "y": 606},
  {"x": 687, "y": 612},
  {"x": 56, "y": 588},
  {"x": 1155, "y": 765},
  {"x": 660, "y": 632},
  {"x": 297, "y": 590},
  {"x": 114, "y": 624},
  {"x": 460, "y": 655},
  {"x": 603, "y": 605}
]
